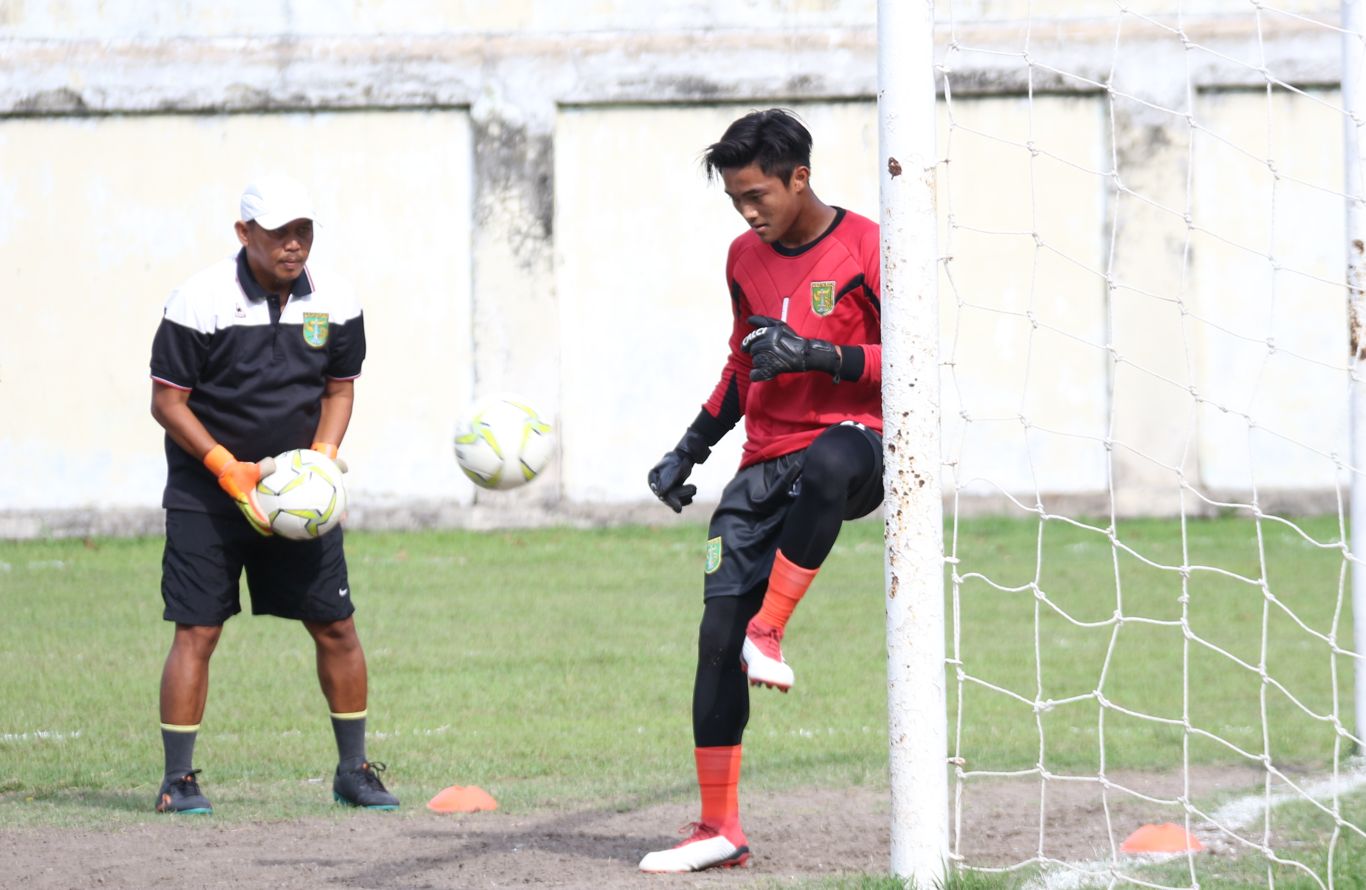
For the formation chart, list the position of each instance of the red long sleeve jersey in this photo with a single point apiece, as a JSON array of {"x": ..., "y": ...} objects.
[{"x": 830, "y": 290}]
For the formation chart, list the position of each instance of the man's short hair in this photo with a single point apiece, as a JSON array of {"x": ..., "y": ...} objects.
[{"x": 774, "y": 139}]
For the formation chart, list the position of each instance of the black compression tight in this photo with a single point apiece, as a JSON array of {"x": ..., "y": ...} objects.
[
  {"x": 836, "y": 466},
  {"x": 720, "y": 696}
]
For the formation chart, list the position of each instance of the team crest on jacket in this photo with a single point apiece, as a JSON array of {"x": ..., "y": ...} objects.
[
  {"x": 822, "y": 297},
  {"x": 315, "y": 329},
  {"x": 713, "y": 555}
]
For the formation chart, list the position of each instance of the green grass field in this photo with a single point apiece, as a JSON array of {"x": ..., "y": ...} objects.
[
  {"x": 555, "y": 665},
  {"x": 1086, "y": 586}
]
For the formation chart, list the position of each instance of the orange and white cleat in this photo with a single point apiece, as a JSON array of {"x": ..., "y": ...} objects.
[
  {"x": 762, "y": 657},
  {"x": 707, "y": 847}
]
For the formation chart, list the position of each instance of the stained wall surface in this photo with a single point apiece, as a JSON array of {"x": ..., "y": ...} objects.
[{"x": 516, "y": 190}]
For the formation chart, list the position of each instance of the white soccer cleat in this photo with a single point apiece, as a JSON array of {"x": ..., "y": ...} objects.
[
  {"x": 762, "y": 657},
  {"x": 705, "y": 848}
]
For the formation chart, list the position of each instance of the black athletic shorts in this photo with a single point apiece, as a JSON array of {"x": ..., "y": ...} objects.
[
  {"x": 201, "y": 571},
  {"x": 742, "y": 539}
]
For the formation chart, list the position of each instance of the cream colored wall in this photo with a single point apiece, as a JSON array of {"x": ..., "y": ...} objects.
[
  {"x": 1022, "y": 303},
  {"x": 110, "y": 213},
  {"x": 138, "y": 19},
  {"x": 93, "y": 17},
  {"x": 534, "y": 238},
  {"x": 1224, "y": 341},
  {"x": 1102, "y": 9},
  {"x": 113, "y": 212},
  {"x": 1268, "y": 263}
]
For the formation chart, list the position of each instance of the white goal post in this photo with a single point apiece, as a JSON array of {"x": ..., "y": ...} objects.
[
  {"x": 910, "y": 332},
  {"x": 1354, "y": 164}
]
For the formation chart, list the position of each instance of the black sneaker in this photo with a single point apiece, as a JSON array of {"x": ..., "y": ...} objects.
[
  {"x": 183, "y": 796},
  {"x": 361, "y": 787}
]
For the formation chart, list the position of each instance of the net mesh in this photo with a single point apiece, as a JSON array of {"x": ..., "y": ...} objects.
[{"x": 1147, "y": 366}]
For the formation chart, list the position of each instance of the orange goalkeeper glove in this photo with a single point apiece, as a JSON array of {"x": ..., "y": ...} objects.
[{"x": 238, "y": 478}]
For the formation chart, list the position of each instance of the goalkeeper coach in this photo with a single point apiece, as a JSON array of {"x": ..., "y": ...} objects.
[
  {"x": 253, "y": 357},
  {"x": 805, "y": 371}
]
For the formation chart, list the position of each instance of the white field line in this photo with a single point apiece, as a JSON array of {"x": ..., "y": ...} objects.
[
  {"x": 39, "y": 735},
  {"x": 36, "y": 565},
  {"x": 1237, "y": 814},
  {"x": 1244, "y": 811},
  {"x": 395, "y": 733}
]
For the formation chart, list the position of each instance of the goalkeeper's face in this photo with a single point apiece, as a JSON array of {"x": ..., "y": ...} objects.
[{"x": 769, "y": 205}]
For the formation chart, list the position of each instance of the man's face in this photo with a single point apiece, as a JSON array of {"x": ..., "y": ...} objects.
[
  {"x": 277, "y": 255},
  {"x": 768, "y": 204}
]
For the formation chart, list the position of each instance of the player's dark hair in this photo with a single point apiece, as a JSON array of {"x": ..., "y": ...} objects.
[{"x": 774, "y": 139}]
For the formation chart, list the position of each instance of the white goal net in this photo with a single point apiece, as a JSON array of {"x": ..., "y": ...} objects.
[{"x": 1146, "y": 214}]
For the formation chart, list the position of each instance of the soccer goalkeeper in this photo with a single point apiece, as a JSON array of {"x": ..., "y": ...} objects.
[{"x": 805, "y": 372}]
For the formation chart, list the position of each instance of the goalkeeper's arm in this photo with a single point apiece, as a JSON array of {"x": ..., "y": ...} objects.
[
  {"x": 666, "y": 478},
  {"x": 171, "y": 408}
]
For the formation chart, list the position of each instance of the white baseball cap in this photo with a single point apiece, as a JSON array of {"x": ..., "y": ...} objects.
[{"x": 276, "y": 200}]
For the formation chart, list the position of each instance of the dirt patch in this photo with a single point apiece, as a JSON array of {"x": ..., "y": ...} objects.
[
  {"x": 794, "y": 834},
  {"x": 1007, "y": 820}
]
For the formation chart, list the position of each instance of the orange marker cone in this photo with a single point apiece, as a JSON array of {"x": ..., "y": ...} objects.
[
  {"x": 462, "y": 799},
  {"x": 1165, "y": 838}
]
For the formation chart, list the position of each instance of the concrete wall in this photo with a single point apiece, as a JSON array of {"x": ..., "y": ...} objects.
[
  {"x": 515, "y": 187},
  {"x": 147, "y": 18}
]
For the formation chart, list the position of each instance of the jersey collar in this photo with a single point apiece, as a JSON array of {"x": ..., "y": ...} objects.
[
  {"x": 798, "y": 251},
  {"x": 302, "y": 286}
]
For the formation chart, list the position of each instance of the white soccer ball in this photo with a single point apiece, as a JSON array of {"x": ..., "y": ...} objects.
[
  {"x": 502, "y": 442},
  {"x": 305, "y": 498}
]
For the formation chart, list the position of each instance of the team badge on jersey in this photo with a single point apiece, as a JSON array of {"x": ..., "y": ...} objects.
[
  {"x": 713, "y": 555},
  {"x": 315, "y": 329},
  {"x": 822, "y": 297}
]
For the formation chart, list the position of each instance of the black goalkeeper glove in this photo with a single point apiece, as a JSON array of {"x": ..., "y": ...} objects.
[
  {"x": 666, "y": 478},
  {"x": 777, "y": 349}
]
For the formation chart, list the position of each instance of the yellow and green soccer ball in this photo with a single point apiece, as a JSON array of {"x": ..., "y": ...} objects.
[
  {"x": 502, "y": 442},
  {"x": 305, "y": 498}
]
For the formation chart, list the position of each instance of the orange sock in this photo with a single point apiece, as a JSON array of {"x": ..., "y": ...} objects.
[
  {"x": 787, "y": 584},
  {"x": 718, "y": 778}
]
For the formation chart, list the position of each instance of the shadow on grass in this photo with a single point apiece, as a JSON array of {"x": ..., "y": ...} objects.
[{"x": 84, "y": 800}]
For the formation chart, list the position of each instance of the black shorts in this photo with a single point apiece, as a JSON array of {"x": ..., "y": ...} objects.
[
  {"x": 201, "y": 571},
  {"x": 742, "y": 539}
]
